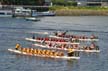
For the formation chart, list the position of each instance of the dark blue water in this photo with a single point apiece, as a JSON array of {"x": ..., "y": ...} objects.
[{"x": 14, "y": 31}]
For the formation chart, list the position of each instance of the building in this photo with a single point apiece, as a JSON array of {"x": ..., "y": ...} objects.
[
  {"x": 48, "y": 2},
  {"x": 0, "y": 5},
  {"x": 92, "y": 2}
]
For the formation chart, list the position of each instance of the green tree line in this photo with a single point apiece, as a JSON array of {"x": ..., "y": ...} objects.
[
  {"x": 22, "y": 2},
  {"x": 39, "y": 2},
  {"x": 64, "y": 2}
]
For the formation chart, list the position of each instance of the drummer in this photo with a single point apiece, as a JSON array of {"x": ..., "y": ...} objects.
[{"x": 17, "y": 46}]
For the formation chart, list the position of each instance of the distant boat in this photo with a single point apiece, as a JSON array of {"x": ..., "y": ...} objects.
[
  {"x": 22, "y": 12},
  {"x": 45, "y": 13},
  {"x": 48, "y": 13},
  {"x": 32, "y": 19},
  {"x": 5, "y": 13}
]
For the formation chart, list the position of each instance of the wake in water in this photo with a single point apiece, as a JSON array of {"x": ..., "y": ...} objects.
[
  {"x": 75, "y": 30},
  {"x": 31, "y": 32}
]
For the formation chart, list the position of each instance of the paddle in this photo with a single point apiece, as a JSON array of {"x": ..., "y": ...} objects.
[
  {"x": 43, "y": 41},
  {"x": 64, "y": 33}
]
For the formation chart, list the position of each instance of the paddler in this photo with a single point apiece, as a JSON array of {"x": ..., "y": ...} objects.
[
  {"x": 35, "y": 51},
  {"x": 55, "y": 33},
  {"x": 48, "y": 52},
  {"x": 62, "y": 46},
  {"x": 39, "y": 51},
  {"x": 33, "y": 36},
  {"x": 43, "y": 52},
  {"x": 70, "y": 52},
  {"x": 93, "y": 36},
  {"x": 27, "y": 50},
  {"x": 55, "y": 53},
  {"x": 61, "y": 54},
  {"x": 17, "y": 46},
  {"x": 92, "y": 46},
  {"x": 23, "y": 50}
]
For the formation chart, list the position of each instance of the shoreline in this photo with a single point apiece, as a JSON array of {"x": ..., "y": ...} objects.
[{"x": 79, "y": 11}]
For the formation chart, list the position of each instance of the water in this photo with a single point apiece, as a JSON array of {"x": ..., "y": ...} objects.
[{"x": 14, "y": 31}]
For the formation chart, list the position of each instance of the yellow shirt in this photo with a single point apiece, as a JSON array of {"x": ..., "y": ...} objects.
[
  {"x": 70, "y": 50},
  {"x": 17, "y": 45}
]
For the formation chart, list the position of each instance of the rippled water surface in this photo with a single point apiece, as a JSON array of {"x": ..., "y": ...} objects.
[{"x": 14, "y": 30}]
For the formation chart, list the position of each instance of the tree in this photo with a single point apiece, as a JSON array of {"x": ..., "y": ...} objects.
[
  {"x": 64, "y": 2},
  {"x": 22, "y": 2}
]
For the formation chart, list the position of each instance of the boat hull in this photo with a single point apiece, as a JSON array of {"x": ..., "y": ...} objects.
[
  {"x": 64, "y": 49},
  {"x": 34, "y": 40},
  {"x": 74, "y": 38},
  {"x": 32, "y": 19},
  {"x": 58, "y": 57}
]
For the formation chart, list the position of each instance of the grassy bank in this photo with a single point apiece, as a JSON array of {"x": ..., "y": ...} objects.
[{"x": 79, "y": 11}]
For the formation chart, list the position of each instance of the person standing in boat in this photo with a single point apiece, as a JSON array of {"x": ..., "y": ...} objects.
[
  {"x": 33, "y": 37},
  {"x": 70, "y": 52},
  {"x": 17, "y": 46},
  {"x": 56, "y": 34}
]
